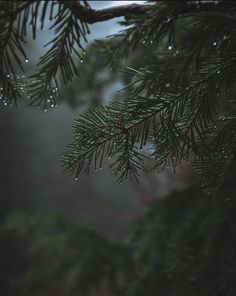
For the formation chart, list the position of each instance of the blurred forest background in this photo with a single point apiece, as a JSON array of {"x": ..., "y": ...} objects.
[{"x": 45, "y": 214}]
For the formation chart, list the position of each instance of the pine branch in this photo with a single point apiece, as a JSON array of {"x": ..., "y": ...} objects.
[
  {"x": 12, "y": 89},
  {"x": 160, "y": 21},
  {"x": 92, "y": 16},
  {"x": 69, "y": 31},
  {"x": 216, "y": 158},
  {"x": 177, "y": 130},
  {"x": 11, "y": 52},
  {"x": 171, "y": 105},
  {"x": 110, "y": 131}
]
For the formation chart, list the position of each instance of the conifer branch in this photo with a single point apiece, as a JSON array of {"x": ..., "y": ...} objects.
[
  {"x": 92, "y": 16},
  {"x": 172, "y": 105}
]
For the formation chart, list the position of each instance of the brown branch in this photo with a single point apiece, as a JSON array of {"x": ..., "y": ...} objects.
[{"x": 92, "y": 16}]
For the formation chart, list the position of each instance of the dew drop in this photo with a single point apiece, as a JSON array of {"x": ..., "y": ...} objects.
[
  {"x": 167, "y": 84},
  {"x": 5, "y": 103},
  {"x": 81, "y": 61},
  {"x": 26, "y": 60},
  {"x": 45, "y": 110},
  {"x": 222, "y": 118},
  {"x": 169, "y": 47},
  {"x": 214, "y": 44},
  {"x": 76, "y": 178}
]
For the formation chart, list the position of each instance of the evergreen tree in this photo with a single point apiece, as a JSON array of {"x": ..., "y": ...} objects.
[{"x": 178, "y": 105}]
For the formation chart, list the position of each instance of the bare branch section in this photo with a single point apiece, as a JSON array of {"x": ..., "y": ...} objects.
[{"x": 92, "y": 16}]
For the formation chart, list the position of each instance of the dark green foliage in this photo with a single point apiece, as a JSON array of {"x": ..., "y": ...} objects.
[
  {"x": 70, "y": 31},
  {"x": 177, "y": 98},
  {"x": 177, "y": 102},
  {"x": 185, "y": 246},
  {"x": 178, "y": 105},
  {"x": 91, "y": 89},
  {"x": 40, "y": 252}
]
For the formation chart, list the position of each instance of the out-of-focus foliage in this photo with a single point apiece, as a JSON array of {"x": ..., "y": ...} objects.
[
  {"x": 89, "y": 89},
  {"x": 100, "y": 81},
  {"x": 42, "y": 252},
  {"x": 183, "y": 245}
]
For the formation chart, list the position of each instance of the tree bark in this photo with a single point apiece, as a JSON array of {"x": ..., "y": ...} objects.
[{"x": 92, "y": 16}]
